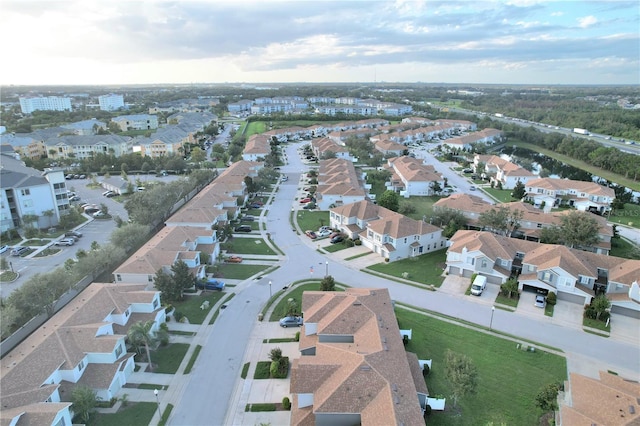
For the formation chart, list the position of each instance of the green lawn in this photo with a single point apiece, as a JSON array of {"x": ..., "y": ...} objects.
[
  {"x": 426, "y": 269},
  {"x": 623, "y": 248},
  {"x": 136, "y": 413},
  {"x": 168, "y": 358},
  {"x": 506, "y": 301},
  {"x": 312, "y": 220},
  {"x": 508, "y": 378},
  {"x": 248, "y": 246},
  {"x": 629, "y": 216},
  {"x": 597, "y": 324},
  {"x": 262, "y": 370},
  {"x": 190, "y": 306},
  {"x": 256, "y": 127},
  {"x": 235, "y": 271},
  {"x": 502, "y": 195},
  {"x": 8, "y": 276},
  {"x": 423, "y": 206},
  {"x": 332, "y": 248}
]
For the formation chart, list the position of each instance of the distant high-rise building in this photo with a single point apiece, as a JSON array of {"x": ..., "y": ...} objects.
[
  {"x": 50, "y": 103},
  {"x": 111, "y": 102}
]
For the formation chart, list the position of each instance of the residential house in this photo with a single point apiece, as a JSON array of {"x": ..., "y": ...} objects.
[
  {"x": 322, "y": 148},
  {"x": 353, "y": 367},
  {"x": 502, "y": 172},
  {"x": 206, "y": 210},
  {"x": 532, "y": 222},
  {"x": 171, "y": 244},
  {"x": 576, "y": 276},
  {"x": 136, "y": 122},
  {"x": 610, "y": 400},
  {"x": 257, "y": 147},
  {"x": 82, "y": 344},
  {"x": 586, "y": 196},
  {"x": 26, "y": 191},
  {"x": 465, "y": 142},
  {"x": 388, "y": 147},
  {"x": 391, "y": 235},
  {"x": 412, "y": 178},
  {"x": 338, "y": 184}
]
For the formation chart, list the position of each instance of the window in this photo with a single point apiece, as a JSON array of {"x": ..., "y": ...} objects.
[
  {"x": 441, "y": 243},
  {"x": 484, "y": 263},
  {"x": 81, "y": 365},
  {"x": 126, "y": 313},
  {"x": 150, "y": 278},
  {"x": 539, "y": 225},
  {"x": 504, "y": 262},
  {"x": 155, "y": 303},
  {"x": 25, "y": 192},
  {"x": 471, "y": 260},
  {"x": 118, "y": 277},
  {"x": 118, "y": 351}
]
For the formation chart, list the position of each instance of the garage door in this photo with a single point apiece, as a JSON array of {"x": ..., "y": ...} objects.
[
  {"x": 573, "y": 298},
  {"x": 534, "y": 289},
  {"x": 454, "y": 270},
  {"x": 494, "y": 280},
  {"x": 627, "y": 312}
]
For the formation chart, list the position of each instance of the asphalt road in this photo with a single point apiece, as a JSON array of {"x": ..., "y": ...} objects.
[{"x": 207, "y": 395}]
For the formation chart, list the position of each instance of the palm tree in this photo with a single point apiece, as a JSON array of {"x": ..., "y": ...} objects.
[{"x": 140, "y": 334}]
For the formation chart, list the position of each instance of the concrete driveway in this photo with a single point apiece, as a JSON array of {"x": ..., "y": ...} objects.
[{"x": 526, "y": 305}]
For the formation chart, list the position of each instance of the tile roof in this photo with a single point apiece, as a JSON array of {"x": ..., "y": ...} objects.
[
  {"x": 413, "y": 169},
  {"x": 567, "y": 184}
]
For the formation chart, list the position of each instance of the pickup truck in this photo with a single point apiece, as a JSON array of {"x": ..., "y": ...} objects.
[{"x": 478, "y": 285}]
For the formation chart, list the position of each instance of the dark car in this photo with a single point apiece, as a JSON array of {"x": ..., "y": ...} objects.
[
  {"x": 210, "y": 284},
  {"x": 336, "y": 239},
  {"x": 242, "y": 228},
  {"x": 291, "y": 322},
  {"x": 255, "y": 206},
  {"x": 247, "y": 218},
  {"x": 74, "y": 234}
]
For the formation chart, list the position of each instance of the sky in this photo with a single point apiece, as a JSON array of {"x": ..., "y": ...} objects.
[{"x": 50, "y": 42}]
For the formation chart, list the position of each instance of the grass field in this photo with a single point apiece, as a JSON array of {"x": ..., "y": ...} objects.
[
  {"x": 280, "y": 309},
  {"x": 136, "y": 413},
  {"x": 190, "y": 306},
  {"x": 426, "y": 269},
  {"x": 423, "y": 206},
  {"x": 168, "y": 358},
  {"x": 629, "y": 216},
  {"x": 256, "y": 127},
  {"x": 508, "y": 378},
  {"x": 502, "y": 195},
  {"x": 312, "y": 220},
  {"x": 248, "y": 246},
  {"x": 234, "y": 271}
]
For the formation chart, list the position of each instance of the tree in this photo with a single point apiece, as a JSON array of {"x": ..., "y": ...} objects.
[
  {"x": 390, "y": 200},
  {"x": 436, "y": 187},
  {"x": 509, "y": 287},
  {"x": 501, "y": 220},
  {"x": 140, "y": 335},
  {"x": 182, "y": 276},
  {"x": 519, "y": 191},
  {"x": 49, "y": 214},
  {"x": 169, "y": 290},
  {"x": 600, "y": 305},
  {"x": 551, "y": 235},
  {"x": 84, "y": 401},
  {"x": 579, "y": 229},
  {"x": 104, "y": 208},
  {"x": 328, "y": 283},
  {"x": 547, "y": 398},
  {"x": 130, "y": 236},
  {"x": 462, "y": 374},
  {"x": 198, "y": 155}
]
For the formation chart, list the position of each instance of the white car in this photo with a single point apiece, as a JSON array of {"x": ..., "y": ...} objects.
[
  {"x": 323, "y": 233},
  {"x": 4, "y": 248},
  {"x": 65, "y": 242}
]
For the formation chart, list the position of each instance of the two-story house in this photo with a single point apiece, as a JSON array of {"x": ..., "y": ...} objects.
[
  {"x": 501, "y": 171},
  {"x": 323, "y": 147},
  {"x": 411, "y": 177},
  {"x": 257, "y": 147},
  {"x": 338, "y": 184},
  {"x": 586, "y": 196},
  {"x": 391, "y": 235},
  {"x": 353, "y": 368}
]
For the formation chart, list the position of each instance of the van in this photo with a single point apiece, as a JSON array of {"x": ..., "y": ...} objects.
[
  {"x": 478, "y": 285},
  {"x": 19, "y": 251}
]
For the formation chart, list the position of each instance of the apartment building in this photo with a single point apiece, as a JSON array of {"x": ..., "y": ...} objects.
[
  {"x": 465, "y": 142},
  {"x": 84, "y": 147},
  {"x": 136, "y": 122},
  {"x": 389, "y": 234},
  {"x": 111, "y": 102},
  {"x": 50, "y": 103},
  {"x": 26, "y": 146},
  {"x": 411, "y": 177},
  {"x": 353, "y": 368},
  {"x": 338, "y": 184},
  {"x": 586, "y": 196}
]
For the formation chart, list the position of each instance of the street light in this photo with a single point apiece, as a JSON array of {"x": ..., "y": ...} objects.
[
  {"x": 493, "y": 309},
  {"x": 155, "y": 392},
  {"x": 269, "y": 289},
  {"x": 326, "y": 269}
]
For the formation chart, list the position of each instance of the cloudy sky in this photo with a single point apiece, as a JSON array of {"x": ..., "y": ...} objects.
[{"x": 203, "y": 41}]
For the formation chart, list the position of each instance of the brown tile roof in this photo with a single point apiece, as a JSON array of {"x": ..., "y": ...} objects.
[
  {"x": 257, "y": 144},
  {"x": 414, "y": 170},
  {"x": 567, "y": 184},
  {"x": 370, "y": 376},
  {"x": 608, "y": 401},
  {"x": 36, "y": 414}
]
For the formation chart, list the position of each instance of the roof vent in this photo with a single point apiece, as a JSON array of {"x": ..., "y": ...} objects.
[
  {"x": 357, "y": 303},
  {"x": 365, "y": 368},
  {"x": 396, "y": 399},
  {"x": 394, "y": 387},
  {"x": 632, "y": 409}
]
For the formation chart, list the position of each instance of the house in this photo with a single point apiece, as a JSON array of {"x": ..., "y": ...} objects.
[
  {"x": 322, "y": 148},
  {"x": 353, "y": 368},
  {"x": 388, "y": 147},
  {"x": 86, "y": 147},
  {"x": 136, "y": 122},
  {"x": 338, "y": 184},
  {"x": 257, "y": 147},
  {"x": 610, "y": 400},
  {"x": 465, "y": 142},
  {"x": 502, "y": 172},
  {"x": 82, "y": 344},
  {"x": 411, "y": 177},
  {"x": 25, "y": 191},
  {"x": 585, "y": 196},
  {"x": 206, "y": 210},
  {"x": 576, "y": 276},
  {"x": 171, "y": 244},
  {"x": 391, "y": 235},
  {"x": 532, "y": 220}
]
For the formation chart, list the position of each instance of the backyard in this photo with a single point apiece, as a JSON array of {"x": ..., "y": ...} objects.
[
  {"x": 502, "y": 195},
  {"x": 234, "y": 271},
  {"x": 422, "y": 206},
  {"x": 508, "y": 378},
  {"x": 425, "y": 269},
  {"x": 136, "y": 413}
]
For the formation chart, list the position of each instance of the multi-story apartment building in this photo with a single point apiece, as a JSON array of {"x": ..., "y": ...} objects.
[
  {"x": 83, "y": 147},
  {"x": 50, "y": 103},
  {"x": 111, "y": 102},
  {"x": 587, "y": 196},
  {"x": 85, "y": 127},
  {"x": 136, "y": 122},
  {"x": 26, "y": 191},
  {"x": 25, "y": 146}
]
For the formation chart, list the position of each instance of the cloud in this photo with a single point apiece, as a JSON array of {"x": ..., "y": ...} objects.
[{"x": 587, "y": 21}]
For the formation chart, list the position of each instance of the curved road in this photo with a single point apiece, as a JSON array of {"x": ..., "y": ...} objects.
[{"x": 205, "y": 396}]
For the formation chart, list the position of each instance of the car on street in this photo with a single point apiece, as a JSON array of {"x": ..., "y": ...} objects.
[
  {"x": 210, "y": 284},
  {"x": 472, "y": 188},
  {"x": 4, "y": 248},
  {"x": 74, "y": 198},
  {"x": 233, "y": 259},
  {"x": 74, "y": 234},
  {"x": 284, "y": 178},
  {"x": 291, "y": 322},
  {"x": 242, "y": 228},
  {"x": 65, "y": 242},
  {"x": 540, "y": 301},
  {"x": 337, "y": 239}
]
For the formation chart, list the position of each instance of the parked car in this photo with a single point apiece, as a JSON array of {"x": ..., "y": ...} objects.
[
  {"x": 106, "y": 193},
  {"x": 110, "y": 195},
  {"x": 323, "y": 233},
  {"x": 242, "y": 228},
  {"x": 309, "y": 206},
  {"x": 255, "y": 206},
  {"x": 311, "y": 234},
  {"x": 100, "y": 215},
  {"x": 74, "y": 198},
  {"x": 337, "y": 239},
  {"x": 247, "y": 218},
  {"x": 291, "y": 322},
  {"x": 91, "y": 210},
  {"x": 284, "y": 178},
  {"x": 75, "y": 234},
  {"x": 82, "y": 177},
  {"x": 478, "y": 285},
  {"x": 305, "y": 200},
  {"x": 540, "y": 301},
  {"x": 257, "y": 203},
  {"x": 19, "y": 251},
  {"x": 210, "y": 284},
  {"x": 65, "y": 242},
  {"x": 4, "y": 248},
  {"x": 233, "y": 259}
]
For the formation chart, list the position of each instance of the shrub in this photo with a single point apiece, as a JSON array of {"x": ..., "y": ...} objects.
[
  {"x": 178, "y": 316},
  {"x": 473, "y": 277},
  {"x": 357, "y": 242},
  {"x": 275, "y": 354},
  {"x": 552, "y": 298},
  {"x": 426, "y": 370},
  {"x": 405, "y": 339},
  {"x": 405, "y": 275},
  {"x": 279, "y": 369},
  {"x": 427, "y": 411},
  {"x": 168, "y": 308},
  {"x": 286, "y": 403},
  {"x": 297, "y": 336}
]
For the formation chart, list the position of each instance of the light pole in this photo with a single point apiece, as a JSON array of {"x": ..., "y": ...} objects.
[
  {"x": 326, "y": 269},
  {"x": 269, "y": 289},
  {"x": 155, "y": 392},
  {"x": 493, "y": 309}
]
